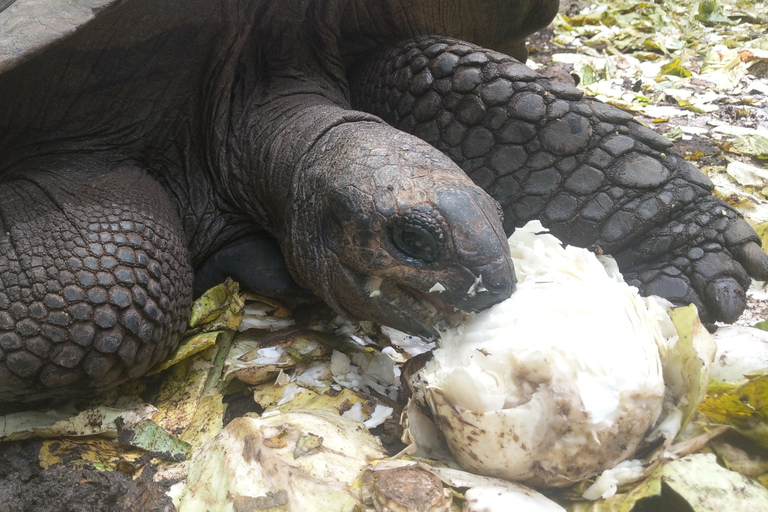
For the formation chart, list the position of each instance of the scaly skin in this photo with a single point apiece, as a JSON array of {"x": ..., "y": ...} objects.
[
  {"x": 589, "y": 172},
  {"x": 96, "y": 280}
]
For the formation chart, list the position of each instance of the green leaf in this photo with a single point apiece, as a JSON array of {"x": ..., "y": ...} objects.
[
  {"x": 587, "y": 75},
  {"x": 674, "y": 134},
  {"x": 188, "y": 347},
  {"x": 687, "y": 363},
  {"x": 751, "y": 145},
  {"x": 152, "y": 438},
  {"x": 711, "y": 13}
]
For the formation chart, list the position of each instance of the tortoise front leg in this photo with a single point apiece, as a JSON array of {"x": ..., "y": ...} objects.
[
  {"x": 589, "y": 172},
  {"x": 256, "y": 262},
  {"x": 95, "y": 278}
]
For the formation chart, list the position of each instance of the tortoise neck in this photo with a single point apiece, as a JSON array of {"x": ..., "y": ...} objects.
[{"x": 273, "y": 146}]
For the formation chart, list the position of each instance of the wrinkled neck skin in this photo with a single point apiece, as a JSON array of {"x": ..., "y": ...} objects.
[
  {"x": 368, "y": 218},
  {"x": 281, "y": 143}
]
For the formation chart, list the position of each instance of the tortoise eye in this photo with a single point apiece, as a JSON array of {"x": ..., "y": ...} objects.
[{"x": 416, "y": 242}]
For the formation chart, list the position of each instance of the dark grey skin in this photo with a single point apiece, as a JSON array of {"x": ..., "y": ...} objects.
[{"x": 167, "y": 144}]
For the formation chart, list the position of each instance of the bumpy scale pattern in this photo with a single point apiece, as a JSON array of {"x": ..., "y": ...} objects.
[
  {"x": 594, "y": 176},
  {"x": 89, "y": 298}
]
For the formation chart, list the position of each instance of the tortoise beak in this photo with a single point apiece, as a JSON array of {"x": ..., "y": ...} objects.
[
  {"x": 495, "y": 282},
  {"x": 478, "y": 288},
  {"x": 483, "y": 272}
]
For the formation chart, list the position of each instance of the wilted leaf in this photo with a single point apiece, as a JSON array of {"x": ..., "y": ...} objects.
[
  {"x": 741, "y": 454},
  {"x": 280, "y": 309},
  {"x": 99, "y": 419},
  {"x": 206, "y": 422},
  {"x": 239, "y": 465},
  {"x": 307, "y": 445},
  {"x": 98, "y": 451},
  {"x": 275, "y": 442},
  {"x": 748, "y": 175},
  {"x": 701, "y": 107},
  {"x": 409, "y": 487},
  {"x": 742, "y": 405},
  {"x": 708, "y": 487},
  {"x": 257, "y": 357},
  {"x": 270, "y": 396},
  {"x": 189, "y": 403},
  {"x": 698, "y": 479},
  {"x": 674, "y": 68},
  {"x": 723, "y": 67},
  {"x": 273, "y": 501},
  {"x": 221, "y": 307},
  {"x": 740, "y": 350}
]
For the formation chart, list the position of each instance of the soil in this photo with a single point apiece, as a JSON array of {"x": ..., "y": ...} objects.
[{"x": 73, "y": 485}]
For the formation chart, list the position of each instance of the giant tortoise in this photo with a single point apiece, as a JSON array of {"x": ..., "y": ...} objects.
[{"x": 361, "y": 151}]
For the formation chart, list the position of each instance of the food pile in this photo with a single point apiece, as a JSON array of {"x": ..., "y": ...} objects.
[{"x": 560, "y": 381}]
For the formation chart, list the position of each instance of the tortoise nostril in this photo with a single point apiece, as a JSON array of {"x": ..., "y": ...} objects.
[
  {"x": 489, "y": 295},
  {"x": 503, "y": 289},
  {"x": 493, "y": 285}
]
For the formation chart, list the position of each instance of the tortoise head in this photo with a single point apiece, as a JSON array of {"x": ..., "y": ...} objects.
[{"x": 390, "y": 229}]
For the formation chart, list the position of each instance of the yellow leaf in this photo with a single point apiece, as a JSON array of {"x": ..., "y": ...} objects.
[
  {"x": 762, "y": 232},
  {"x": 221, "y": 307},
  {"x": 187, "y": 348},
  {"x": 674, "y": 68},
  {"x": 742, "y": 405}
]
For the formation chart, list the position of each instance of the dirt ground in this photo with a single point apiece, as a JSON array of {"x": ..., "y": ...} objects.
[{"x": 73, "y": 485}]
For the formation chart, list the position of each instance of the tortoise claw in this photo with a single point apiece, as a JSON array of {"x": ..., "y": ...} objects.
[
  {"x": 754, "y": 260},
  {"x": 725, "y": 299}
]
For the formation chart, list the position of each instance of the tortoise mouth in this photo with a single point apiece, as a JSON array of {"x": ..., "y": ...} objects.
[
  {"x": 426, "y": 313},
  {"x": 442, "y": 306}
]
